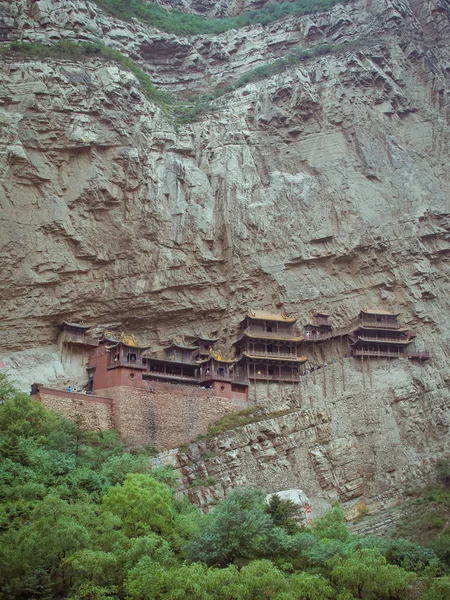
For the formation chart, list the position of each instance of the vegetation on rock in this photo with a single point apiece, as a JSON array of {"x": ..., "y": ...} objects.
[
  {"x": 183, "y": 112},
  {"x": 181, "y": 23},
  {"x": 82, "y": 518}
]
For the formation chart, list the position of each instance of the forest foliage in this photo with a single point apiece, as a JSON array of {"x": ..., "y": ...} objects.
[
  {"x": 182, "y": 23},
  {"x": 84, "y": 518}
]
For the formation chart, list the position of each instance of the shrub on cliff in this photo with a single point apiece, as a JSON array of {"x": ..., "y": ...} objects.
[{"x": 182, "y": 23}]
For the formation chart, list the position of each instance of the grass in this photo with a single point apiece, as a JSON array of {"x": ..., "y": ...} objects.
[
  {"x": 199, "y": 106},
  {"x": 209, "y": 481},
  {"x": 182, "y": 112},
  {"x": 181, "y": 23},
  {"x": 427, "y": 514},
  {"x": 241, "y": 418},
  {"x": 79, "y": 51}
]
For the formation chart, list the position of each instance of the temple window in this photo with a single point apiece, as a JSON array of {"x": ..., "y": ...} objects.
[{"x": 131, "y": 356}]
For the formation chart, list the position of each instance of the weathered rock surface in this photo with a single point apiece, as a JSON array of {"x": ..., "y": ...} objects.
[
  {"x": 361, "y": 440},
  {"x": 321, "y": 188}
]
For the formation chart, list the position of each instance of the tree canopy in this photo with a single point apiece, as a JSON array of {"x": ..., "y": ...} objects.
[{"x": 83, "y": 518}]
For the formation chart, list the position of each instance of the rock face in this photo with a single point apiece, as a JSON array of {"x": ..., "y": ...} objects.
[
  {"x": 361, "y": 439},
  {"x": 324, "y": 187}
]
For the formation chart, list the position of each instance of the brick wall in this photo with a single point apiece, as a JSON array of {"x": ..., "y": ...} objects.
[
  {"x": 167, "y": 416},
  {"x": 97, "y": 412}
]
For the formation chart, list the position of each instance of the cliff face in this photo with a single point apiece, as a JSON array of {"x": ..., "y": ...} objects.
[{"x": 323, "y": 187}]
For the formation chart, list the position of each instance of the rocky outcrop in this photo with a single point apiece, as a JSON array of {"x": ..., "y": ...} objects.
[{"x": 363, "y": 440}]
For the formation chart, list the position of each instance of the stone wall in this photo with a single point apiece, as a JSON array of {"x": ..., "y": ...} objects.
[
  {"x": 96, "y": 412},
  {"x": 165, "y": 415}
]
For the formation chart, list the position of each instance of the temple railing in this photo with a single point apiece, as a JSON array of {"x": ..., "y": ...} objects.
[
  {"x": 422, "y": 355},
  {"x": 380, "y": 325},
  {"x": 376, "y": 353},
  {"x": 260, "y": 354},
  {"x": 76, "y": 338},
  {"x": 176, "y": 376},
  {"x": 380, "y": 340}
]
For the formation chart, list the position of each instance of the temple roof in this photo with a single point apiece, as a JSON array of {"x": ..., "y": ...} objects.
[
  {"x": 383, "y": 313},
  {"x": 207, "y": 338},
  {"x": 76, "y": 325},
  {"x": 263, "y": 315},
  {"x": 126, "y": 340},
  {"x": 179, "y": 344}
]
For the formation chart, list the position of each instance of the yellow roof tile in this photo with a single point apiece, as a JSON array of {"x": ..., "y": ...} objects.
[{"x": 268, "y": 316}]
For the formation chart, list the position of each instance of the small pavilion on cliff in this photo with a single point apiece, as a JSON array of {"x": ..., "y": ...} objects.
[
  {"x": 379, "y": 335},
  {"x": 268, "y": 347},
  {"x": 319, "y": 329}
]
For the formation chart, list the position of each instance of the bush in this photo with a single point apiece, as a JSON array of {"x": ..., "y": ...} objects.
[{"x": 181, "y": 23}]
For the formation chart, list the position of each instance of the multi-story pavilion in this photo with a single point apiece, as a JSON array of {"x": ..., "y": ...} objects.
[
  {"x": 379, "y": 335},
  {"x": 204, "y": 343},
  {"x": 268, "y": 347},
  {"x": 115, "y": 362},
  {"x": 176, "y": 366}
]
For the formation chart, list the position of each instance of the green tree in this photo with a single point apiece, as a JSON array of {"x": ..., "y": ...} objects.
[
  {"x": 438, "y": 590},
  {"x": 143, "y": 504},
  {"x": 311, "y": 587},
  {"x": 237, "y": 527},
  {"x": 283, "y": 513},
  {"x": 366, "y": 575},
  {"x": 332, "y": 526}
]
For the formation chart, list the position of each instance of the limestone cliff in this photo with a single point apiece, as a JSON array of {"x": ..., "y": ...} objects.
[{"x": 322, "y": 187}]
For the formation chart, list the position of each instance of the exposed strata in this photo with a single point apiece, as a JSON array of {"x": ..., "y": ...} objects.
[
  {"x": 362, "y": 440},
  {"x": 322, "y": 188}
]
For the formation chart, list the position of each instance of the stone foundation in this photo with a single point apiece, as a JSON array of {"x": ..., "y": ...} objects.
[
  {"x": 95, "y": 412},
  {"x": 162, "y": 415},
  {"x": 167, "y": 416}
]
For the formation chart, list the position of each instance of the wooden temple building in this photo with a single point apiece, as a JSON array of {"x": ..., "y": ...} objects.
[
  {"x": 379, "y": 335},
  {"x": 319, "y": 329},
  {"x": 116, "y": 361},
  {"x": 176, "y": 365},
  {"x": 268, "y": 348}
]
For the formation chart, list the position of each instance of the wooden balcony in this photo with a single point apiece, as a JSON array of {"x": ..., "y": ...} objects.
[
  {"x": 79, "y": 339},
  {"x": 318, "y": 337},
  {"x": 358, "y": 352},
  {"x": 380, "y": 325},
  {"x": 384, "y": 340},
  {"x": 216, "y": 377},
  {"x": 422, "y": 355},
  {"x": 285, "y": 335},
  {"x": 170, "y": 377},
  {"x": 125, "y": 362},
  {"x": 261, "y": 354}
]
